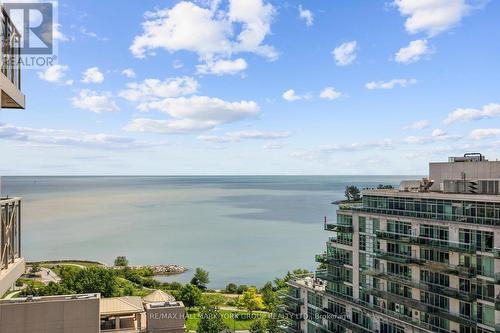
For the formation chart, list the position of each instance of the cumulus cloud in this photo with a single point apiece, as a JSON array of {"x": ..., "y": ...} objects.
[
  {"x": 154, "y": 89},
  {"x": 290, "y": 96},
  {"x": 245, "y": 135},
  {"x": 273, "y": 146},
  {"x": 128, "y": 72},
  {"x": 222, "y": 67},
  {"x": 468, "y": 114},
  {"x": 420, "y": 124},
  {"x": 54, "y": 73},
  {"x": 482, "y": 133},
  {"x": 330, "y": 93},
  {"x": 413, "y": 52},
  {"x": 95, "y": 102},
  {"x": 345, "y": 54},
  {"x": 55, "y": 137},
  {"x": 306, "y": 15},
  {"x": 210, "y": 32},
  {"x": 432, "y": 16},
  {"x": 436, "y": 136},
  {"x": 196, "y": 113},
  {"x": 390, "y": 84},
  {"x": 93, "y": 75}
]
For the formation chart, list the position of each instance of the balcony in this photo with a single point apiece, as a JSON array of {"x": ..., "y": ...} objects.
[
  {"x": 397, "y": 257},
  {"x": 10, "y": 77},
  {"x": 468, "y": 272},
  {"x": 290, "y": 298},
  {"x": 421, "y": 306},
  {"x": 427, "y": 242},
  {"x": 447, "y": 291},
  {"x": 287, "y": 327},
  {"x": 331, "y": 260},
  {"x": 346, "y": 228}
]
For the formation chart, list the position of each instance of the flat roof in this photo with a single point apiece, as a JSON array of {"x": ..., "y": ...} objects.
[
  {"x": 46, "y": 299},
  {"x": 433, "y": 195}
]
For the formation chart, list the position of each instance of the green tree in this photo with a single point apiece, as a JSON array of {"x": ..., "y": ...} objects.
[
  {"x": 95, "y": 280},
  {"x": 251, "y": 300},
  {"x": 121, "y": 261},
  {"x": 259, "y": 326},
  {"x": 200, "y": 278},
  {"x": 272, "y": 322},
  {"x": 190, "y": 295},
  {"x": 210, "y": 321},
  {"x": 352, "y": 193},
  {"x": 269, "y": 296},
  {"x": 242, "y": 288},
  {"x": 35, "y": 268},
  {"x": 231, "y": 288}
]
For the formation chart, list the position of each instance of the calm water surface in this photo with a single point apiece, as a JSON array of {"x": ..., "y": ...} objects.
[{"x": 242, "y": 229}]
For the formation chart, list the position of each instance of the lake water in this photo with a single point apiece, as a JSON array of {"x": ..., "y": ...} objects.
[{"x": 242, "y": 229}]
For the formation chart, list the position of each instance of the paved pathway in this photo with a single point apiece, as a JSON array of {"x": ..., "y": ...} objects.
[{"x": 47, "y": 275}]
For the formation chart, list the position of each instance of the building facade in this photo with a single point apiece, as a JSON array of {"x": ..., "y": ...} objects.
[{"x": 422, "y": 258}]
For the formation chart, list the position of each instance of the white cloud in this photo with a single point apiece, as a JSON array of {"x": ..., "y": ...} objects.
[
  {"x": 222, "y": 67},
  {"x": 413, "y": 52},
  {"x": 345, "y": 54},
  {"x": 390, "y": 84},
  {"x": 432, "y": 16},
  {"x": 196, "y": 113},
  {"x": 420, "y": 124},
  {"x": 306, "y": 15},
  {"x": 273, "y": 146},
  {"x": 128, "y": 72},
  {"x": 290, "y": 96},
  {"x": 92, "y": 34},
  {"x": 57, "y": 33},
  {"x": 468, "y": 114},
  {"x": 55, "y": 73},
  {"x": 482, "y": 133},
  {"x": 93, "y": 75},
  {"x": 326, "y": 150},
  {"x": 436, "y": 136},
  {"x": 154, "y": 89},
  {"x": 55, "y": 137},
  {"x": 208, "y": 31},
  {"x": 92, "y": 101},
  {"x": 330, "y": 93},
  {"x": 245, "y": 135},
  {"x": 162, "y": 126}
]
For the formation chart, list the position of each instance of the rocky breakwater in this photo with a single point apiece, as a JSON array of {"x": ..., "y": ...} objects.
[{"x": 169, "y": 269}]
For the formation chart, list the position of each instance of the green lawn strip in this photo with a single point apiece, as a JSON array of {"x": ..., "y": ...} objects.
[
  {"x": 36, "y": 283},
  {"x": 50, "y": 264},
  {"x": 241, "y": 323}
]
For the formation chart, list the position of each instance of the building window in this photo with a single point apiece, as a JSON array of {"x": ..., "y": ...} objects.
[
  {"x": 435, "y": 278},
  {"x": 435, "y": 255},
  {"x": 483, "y": 240},
  {"x": 435, "y": 300},
  {"x": 398, "y": 227},
  {"x": 390, "y": 328},
  {"x": 433, "y": 231}
]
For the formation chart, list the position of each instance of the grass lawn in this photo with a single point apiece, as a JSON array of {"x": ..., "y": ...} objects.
[
  {"x": 36, "y": 283},
  {"x": 87, "y": 264},
  {"x": 241, "y": 323}
]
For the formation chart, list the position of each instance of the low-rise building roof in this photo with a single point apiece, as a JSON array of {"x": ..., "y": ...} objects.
[
  {"x": 121, "y": 305},
  {"x": 158, "y": 296}
]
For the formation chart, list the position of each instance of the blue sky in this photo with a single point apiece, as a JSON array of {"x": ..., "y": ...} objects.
[{"x": 260, "y": 87}]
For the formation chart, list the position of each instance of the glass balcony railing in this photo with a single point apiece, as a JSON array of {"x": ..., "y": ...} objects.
[
  {"x": 334, "y": 226},
  {"x": 427, "y": 242},
  {"x": 331, "y": 260},
  {"x": 421, "y": 306},
  {"x": 398, "y": 257},
  {"x": 10, "y": 50}
]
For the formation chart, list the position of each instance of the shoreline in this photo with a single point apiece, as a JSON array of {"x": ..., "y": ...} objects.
[{"x": 160, "y": 270}]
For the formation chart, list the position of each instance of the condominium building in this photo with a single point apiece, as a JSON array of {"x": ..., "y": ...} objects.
[
  {"x": 11, "y": 262},
  {"x": 421, "y": 258}
]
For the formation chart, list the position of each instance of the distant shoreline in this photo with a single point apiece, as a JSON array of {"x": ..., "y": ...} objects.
[{"x": 164, "y": 269}]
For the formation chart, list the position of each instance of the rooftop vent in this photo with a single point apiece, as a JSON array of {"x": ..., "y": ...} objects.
[{"x": 468, "y": 157}]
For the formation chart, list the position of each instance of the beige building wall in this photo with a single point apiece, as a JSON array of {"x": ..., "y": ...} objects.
[
  {"x": 166, "y": 318},
  {"x": 54, "y": 314},
  {"x": 9, "y": 275}
]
